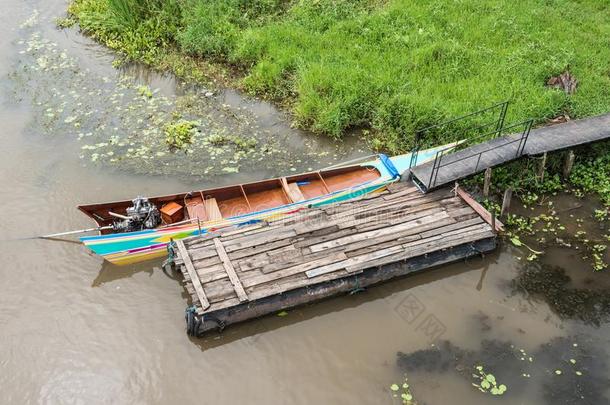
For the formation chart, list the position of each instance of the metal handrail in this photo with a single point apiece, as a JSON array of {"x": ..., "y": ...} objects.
[
  {"x": 437, "y": 164},
  {"x": 503, "y": 103},
  {"x": 499, "y": 123}
]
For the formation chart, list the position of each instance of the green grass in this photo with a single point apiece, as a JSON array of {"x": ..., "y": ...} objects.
[{"x": 391, "y": 66}]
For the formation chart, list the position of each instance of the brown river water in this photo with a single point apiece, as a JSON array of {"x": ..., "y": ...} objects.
[{"x": 74, "y": 329}]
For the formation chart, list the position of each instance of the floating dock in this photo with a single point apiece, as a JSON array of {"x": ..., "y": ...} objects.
[{"x": 241, "y": 273}]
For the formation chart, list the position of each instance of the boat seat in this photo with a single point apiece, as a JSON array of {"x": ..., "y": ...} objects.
[
  {"x": 294, "y": 192},
  {"x": 212, "y": 210},
  {"x": 196, "y": 209}
]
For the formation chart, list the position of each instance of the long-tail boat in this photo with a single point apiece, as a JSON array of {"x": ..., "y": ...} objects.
[{"x": 132, "y": 231}]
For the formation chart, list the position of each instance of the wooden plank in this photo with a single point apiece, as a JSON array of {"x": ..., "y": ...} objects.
[
  {"x": 205, "y": 263},
  {"x": 377, "y": 233},
  {"x": 220, "y": 290},
  {"x": 258, "y": 249},
  {"x": 420, "y": 248},
  {"x": 239, "y": 289},
  {"x": 258, "y": 239},
  {"x": 212, "y": 273},
  {"x": 462, "y": 224},
  {"x": 193, "y": 275},
  {"x": 292, "y": 190},
  {"x": 352, "y": 261},
  {"x": 309, "y": 261},
  {"x": 279, "y": 255},
  {"x": 212, "y": 210},
  {"x": 259, "y": 281},
  {"x": 202, "y": 253},
  {"x": 486, "y": 215}
]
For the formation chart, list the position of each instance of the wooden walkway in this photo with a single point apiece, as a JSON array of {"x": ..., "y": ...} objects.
[
  {"x": 238, "y": 274},
  {"x": 477, "y": 158}
]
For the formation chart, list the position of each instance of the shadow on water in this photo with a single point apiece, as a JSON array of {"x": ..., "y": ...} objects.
[
  {"x": 255, "y": 329},
  {"x": 111, "y": 272},
  {"x": 555, "y": 287},
  {"x": 565, "y": 370}
]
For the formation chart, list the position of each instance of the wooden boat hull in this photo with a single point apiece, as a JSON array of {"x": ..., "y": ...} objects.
[{"x": 133, "y": 247}]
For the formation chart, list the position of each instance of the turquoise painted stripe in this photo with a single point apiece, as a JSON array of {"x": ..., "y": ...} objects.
[{"x": 114, "y": 235}]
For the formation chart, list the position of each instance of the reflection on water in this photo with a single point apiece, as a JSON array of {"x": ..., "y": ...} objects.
[{"x": 74, "y": 329}]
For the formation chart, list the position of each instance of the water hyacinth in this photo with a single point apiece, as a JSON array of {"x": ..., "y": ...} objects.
[
  {"x": 124, "y": 123},
  {"x": 487, "y": 382}
]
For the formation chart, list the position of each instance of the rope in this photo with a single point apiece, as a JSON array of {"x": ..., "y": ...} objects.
[
  {"x": 171, "y": 254},
  {"x": 357, "y": 288},
  {"x": 189, "y": 317}
]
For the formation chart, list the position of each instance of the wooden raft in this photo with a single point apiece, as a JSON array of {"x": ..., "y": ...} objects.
[{"x": 233, "y": 270}]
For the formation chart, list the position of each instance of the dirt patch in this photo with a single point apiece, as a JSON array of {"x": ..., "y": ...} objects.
[{"x": 565, "y": 81}]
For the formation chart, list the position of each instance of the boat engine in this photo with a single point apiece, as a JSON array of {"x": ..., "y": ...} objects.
[{"x": 142, "y": 215}]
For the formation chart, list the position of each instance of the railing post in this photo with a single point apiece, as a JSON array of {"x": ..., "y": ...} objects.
[
  {"x": 501, "y": 118},
  {"x": 528, "y": 128},
  {"x": 440, "y": 159},
  {"x": 432, "y": 171}
]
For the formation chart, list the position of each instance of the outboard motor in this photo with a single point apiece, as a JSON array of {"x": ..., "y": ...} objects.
[{"x": 142, "y": 215}]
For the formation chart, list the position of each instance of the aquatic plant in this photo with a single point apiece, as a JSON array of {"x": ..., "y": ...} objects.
[
  {"x": 487, "y": 382},
  {"x": 180, "y": 134},
  {"x": 404, "y": 391},
  {"x": 583, "y": 367},
  {"x": 145, "y": 91},
  {"x": 591, "y": 172},
  {"x": 65, "y": 22}
]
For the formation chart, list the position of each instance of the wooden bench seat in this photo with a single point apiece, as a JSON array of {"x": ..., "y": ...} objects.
[
  {"x": 292, "y": 190},
  {"x": 212, "y": 210},
  {"x": 196, "y": 209}
]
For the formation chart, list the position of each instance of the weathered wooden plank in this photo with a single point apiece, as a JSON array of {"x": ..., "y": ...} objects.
[
  {"x": 220, "y": 290},
  {"x": 203, "y": 263},
  {"x": 258, "y": 249},
  {"x": 378, "y": 232},
  {"x": 458, "y": 225},
  {"x": 400, "y": 190},
  {"x": 286, "y": 271},
  {"x": 319, "y": 239},
  {"x": 420, "y": 248},
  {"x": 369, "y": 245},
  {"x": 479, "y": 209},
  {"x": 355, "y": 250},
  {"x": 294, "y": 192},
  {"x": 202, "y": 253},
  {"x": 212, "y": 273},
  {"x": 239, "y": 289},
  {"x": 276, "y": 255},
  {"x": 422, "y": 199},
  {"x": 193, "y": 275},
  {"x": 353, "y": 261},
  {"x": 258, "y": 239}
]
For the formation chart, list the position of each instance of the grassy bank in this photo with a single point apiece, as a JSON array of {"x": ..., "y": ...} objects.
[
  {"x": 387, "y": 66},
  {"x": 391, "y": 66}
]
